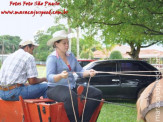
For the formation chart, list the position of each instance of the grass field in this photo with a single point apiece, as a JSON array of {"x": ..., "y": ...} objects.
[
  {"x": 109, "y": 112},
  {"x": 116, "y": 113},
  {"x": 41, "y": 71}
]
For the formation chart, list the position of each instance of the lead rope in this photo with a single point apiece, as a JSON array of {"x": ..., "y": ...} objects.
[
  {"x": 72, "y": 101},
  {"x": 85, "y": 98},
  {"x": 93, "y": 99},
  {"x": 123, "y": 73},
  {"x": 89, "y": 83}
]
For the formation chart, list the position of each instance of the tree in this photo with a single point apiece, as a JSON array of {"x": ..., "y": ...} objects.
[
  {"x": 9, "y": 44},
  {"x": 86, "y": 46},
  {"x": 115, "y": 55},
  {"x": 73, "y": 46},
  {"x": 42, "y": 51},
  {"x": 89, "y": 44},
  {"x": 134, "y": 22}
]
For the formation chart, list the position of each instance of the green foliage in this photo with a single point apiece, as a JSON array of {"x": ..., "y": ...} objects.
[
  {"x": 134, "y": 22},
  {"x": 86, "y": 45},
  {"x": 115, "y": 113},
  {"x": 58, "y": 27},
  {"x": 74, "y": 46},
  {"x": 115, "y": 55},
  {"x": 11, "y": 43},
  {"x": 42, "y": 51},
  {"x": 89, "y": 44}
]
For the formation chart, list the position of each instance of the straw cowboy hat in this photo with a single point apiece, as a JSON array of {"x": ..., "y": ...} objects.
[
  {"x": 27, "y": 42},
  {"x": 59, "y": 35}
]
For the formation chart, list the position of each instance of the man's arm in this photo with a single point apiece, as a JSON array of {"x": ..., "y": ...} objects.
[{"x": 36, "y": 80}]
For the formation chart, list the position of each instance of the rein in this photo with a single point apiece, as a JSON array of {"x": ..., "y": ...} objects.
[
  {"x": 126, "y": 73},
  {"x": 100, "y": 72},
  {"x": 72, "y": 100},
  {"x": 86, "y": 98},
  {"x": 107, "y": 102}
]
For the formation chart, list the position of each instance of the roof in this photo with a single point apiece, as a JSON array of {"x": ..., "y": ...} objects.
[
  {"x": 150, "y": 53},
  {"x": 144, "y": 53}
]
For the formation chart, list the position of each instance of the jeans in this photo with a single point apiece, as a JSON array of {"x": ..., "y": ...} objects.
[
  {"x": 27, "y": 92},
  {"x": 61, "y": 94}
]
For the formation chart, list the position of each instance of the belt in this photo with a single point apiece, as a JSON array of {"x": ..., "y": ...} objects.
[{"x": 10, "y": 87}]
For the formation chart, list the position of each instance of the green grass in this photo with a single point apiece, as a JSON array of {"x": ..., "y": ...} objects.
[
  {"x": 41, "y": 71},
  {"x": 116, "y": 113},
  {"x": 109, "y": 112}
]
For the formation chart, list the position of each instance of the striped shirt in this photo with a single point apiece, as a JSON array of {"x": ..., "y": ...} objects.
[{"x": 17, "y": 67}]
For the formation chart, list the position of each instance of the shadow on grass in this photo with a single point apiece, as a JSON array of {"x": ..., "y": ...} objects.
[
  {"x": 118, "y": 111},
  {"x": 133, "y": 101}
]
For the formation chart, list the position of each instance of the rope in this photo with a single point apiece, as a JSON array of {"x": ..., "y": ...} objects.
[
  {"x": 130, "y": 71},
  {"x": 72, "y": 102},
  {"x": 106, "y": 102},
  {"x": 85, "y": 98},
  {"x": 139, "y": 71},
  {"x": 123, "y": 73}
]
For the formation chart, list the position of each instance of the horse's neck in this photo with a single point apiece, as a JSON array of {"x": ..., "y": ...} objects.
[{"x": 156, "y": 94}]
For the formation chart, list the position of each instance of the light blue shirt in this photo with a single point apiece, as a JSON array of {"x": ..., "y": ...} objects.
[{"x": 55, "y": 65}]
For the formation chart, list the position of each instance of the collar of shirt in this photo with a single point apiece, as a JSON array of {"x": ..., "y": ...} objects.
[
  {"x": 56, "y": 54},
  {"x": 21, "y": 50}
]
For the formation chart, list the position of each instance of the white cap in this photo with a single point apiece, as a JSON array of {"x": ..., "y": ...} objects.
[{"x": 27, "y": 42}]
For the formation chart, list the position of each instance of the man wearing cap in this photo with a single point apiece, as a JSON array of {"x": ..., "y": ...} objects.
[
  {"x": 17, "y": 69},
  {"x": 60, "y": 66}
]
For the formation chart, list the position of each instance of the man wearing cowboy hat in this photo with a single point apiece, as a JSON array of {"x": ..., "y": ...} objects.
[
  {"x": 17, "y": 69},
  {"x": 60, "y": 66}
]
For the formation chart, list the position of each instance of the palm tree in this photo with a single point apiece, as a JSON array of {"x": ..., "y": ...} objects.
[{"x": 89, "y": 44}]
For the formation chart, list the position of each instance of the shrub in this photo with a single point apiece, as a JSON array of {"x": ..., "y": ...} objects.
[{"x": 115, "y": 55}]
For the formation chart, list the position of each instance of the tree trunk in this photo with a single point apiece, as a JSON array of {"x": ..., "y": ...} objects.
[
  {"x": 69, "y": 31},
  {"x": 77, "y": 30},
  {"x": 135, "y": 50}
]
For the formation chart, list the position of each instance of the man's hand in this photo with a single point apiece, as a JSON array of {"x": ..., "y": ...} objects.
[{"x": 64, "y": 74}]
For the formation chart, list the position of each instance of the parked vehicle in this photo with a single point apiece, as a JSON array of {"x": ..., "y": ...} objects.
[{"x": 121, "y": 78}]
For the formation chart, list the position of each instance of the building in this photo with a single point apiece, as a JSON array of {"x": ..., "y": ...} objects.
[{"x": 153, "y": 56}]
